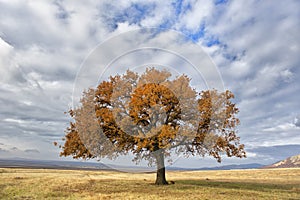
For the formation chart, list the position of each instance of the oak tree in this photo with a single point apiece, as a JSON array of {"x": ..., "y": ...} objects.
[{"x": 151, "y": 116}]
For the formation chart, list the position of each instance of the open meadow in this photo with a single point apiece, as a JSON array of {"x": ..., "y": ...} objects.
[{"x": 80, "y": 184}]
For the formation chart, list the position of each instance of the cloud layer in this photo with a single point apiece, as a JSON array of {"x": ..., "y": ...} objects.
[{"x": 255, "y": 45}]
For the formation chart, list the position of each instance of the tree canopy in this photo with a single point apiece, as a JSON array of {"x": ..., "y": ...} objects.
[{"x": 151, "y": 116}]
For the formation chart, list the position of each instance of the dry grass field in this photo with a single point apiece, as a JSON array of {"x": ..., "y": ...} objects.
[{"x": 75, "y": 184}]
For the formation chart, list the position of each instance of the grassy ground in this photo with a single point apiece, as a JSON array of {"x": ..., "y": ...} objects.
[{"x": 71, "y": 184}]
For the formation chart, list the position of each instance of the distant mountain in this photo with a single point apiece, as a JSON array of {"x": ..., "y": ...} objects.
[
  {"x": 73, "y": 165},
  {"x": 54, "y": 164},
  {"x": 51, "y": 164},
  {"x": 224, "y": 167},
  {"x": 290, "y": 162}
]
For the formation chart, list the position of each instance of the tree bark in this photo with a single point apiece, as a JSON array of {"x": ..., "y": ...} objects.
[{"x": 161, "y": 170}]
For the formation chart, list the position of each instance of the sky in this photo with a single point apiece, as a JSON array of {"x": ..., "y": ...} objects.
[{"x": 46, "y": 46}]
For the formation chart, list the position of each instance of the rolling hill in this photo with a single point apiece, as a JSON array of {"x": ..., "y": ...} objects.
[{"x": 291, "y": 162}]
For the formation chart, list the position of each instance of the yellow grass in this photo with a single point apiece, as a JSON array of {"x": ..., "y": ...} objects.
[{"x": 75, "y": 184}]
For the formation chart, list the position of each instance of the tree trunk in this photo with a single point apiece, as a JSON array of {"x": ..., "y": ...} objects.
[{"x": 161, "y": 170}]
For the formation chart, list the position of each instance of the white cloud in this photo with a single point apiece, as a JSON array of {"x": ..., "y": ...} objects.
[
  {"x": 266, "y": 80},
  {"x": 297, "y": 121},
  {"x": 9, "y": 70},
  {"x": 192, "y": 19},
  {"x": 286, "y": 127},
  {"x": 162, "y": 13}
]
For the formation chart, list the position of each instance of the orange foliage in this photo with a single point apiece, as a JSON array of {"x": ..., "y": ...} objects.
[{"x": 146, "y": 113}]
